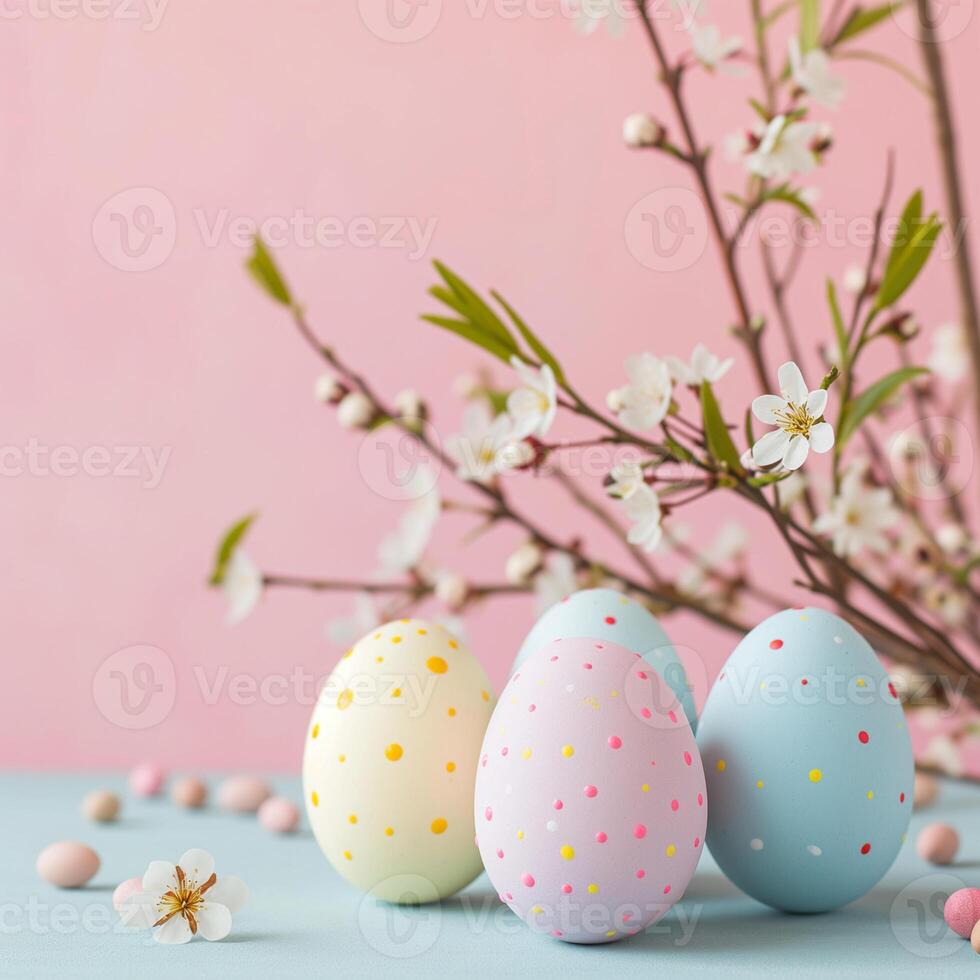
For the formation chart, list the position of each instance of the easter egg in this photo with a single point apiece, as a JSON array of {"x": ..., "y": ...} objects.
[
  {"x": 67, "y": 864},
  {"x": 808, "y": 762},
  {"x": 390, "y": 762},
  {"x": 602, "y": 614},
  {"x": 590, "y": 802}
]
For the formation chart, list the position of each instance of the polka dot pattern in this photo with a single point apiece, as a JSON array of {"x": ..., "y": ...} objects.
[
  {"x": 608, "y": 800},
  {"x": 807, "y": 771},
  {"x": 380, "y": 791}
]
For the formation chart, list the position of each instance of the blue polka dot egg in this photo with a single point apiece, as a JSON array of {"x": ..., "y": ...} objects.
[
  {"x": 808, "y": 764},
  {"x": 606, "y": 615}
]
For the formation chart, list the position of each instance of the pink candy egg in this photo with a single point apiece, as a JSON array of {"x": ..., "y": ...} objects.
[
  {"x": 147, "y": 779},
  {"x": 591, "y": 823},
  {"x": 124, "y": 890},
  {"x": 101, "y": 805},
  {"x": 242, "y": 794},
  {"x": 278, "y": 815},
  {"x": 975, "y": 938},
  {"x": 937, "y": 843},
  {"x": 67, "y": 864},
  {"x": 189, "y": 792},
  {"x": 926, "y": 790},
  {"x": 962, "y": 911}
]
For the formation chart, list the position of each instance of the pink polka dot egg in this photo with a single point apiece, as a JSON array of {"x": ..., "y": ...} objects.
[{"x": 591, "y": 808}]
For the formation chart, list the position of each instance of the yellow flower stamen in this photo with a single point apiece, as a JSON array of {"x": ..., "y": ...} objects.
[
  {"x": 796, "y": 420},
  {"x": 187, "y": 899}
]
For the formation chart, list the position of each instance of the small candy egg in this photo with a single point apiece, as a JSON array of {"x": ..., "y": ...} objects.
[
  {"x": 242, "y": 794},
  {"x": 937, "y": 843},
  {"x": 962, "y": 911},
  {"x": 147, "y": 779},
  {"x": 189, "y": 792},
  {"x": 975, "y": 938},
  {"x": 278, "y": 815},
  {"x": 926, "y": 790},
  {"x": 128, "y": 888},
  {"x": 101, "y": 805},
  {"x": 67, "y": 864}
]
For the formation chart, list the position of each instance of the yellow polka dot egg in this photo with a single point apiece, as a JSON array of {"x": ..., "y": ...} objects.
[
  {"x": 808, "y": 762},
  {"x": 390, "y": 762}
]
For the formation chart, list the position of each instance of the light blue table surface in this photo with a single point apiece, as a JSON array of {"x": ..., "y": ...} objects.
[{"x": 302, "y": 920}]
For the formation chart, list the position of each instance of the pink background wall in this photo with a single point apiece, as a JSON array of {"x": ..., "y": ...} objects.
[{"x": 506, "y": 132}]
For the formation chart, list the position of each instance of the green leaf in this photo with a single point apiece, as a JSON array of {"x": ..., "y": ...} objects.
[
  {"x": 857, "y": 410},
  {"x": 767, "y": 479},
  {"x": 720, "y": 443},
  {"x": 469, "y": 304},
  {"x": 232, "y": 539},
  {"x": 786, "y": 194},
  {"x": 472, "y": 333},
  {"x": 264, "y": 271},
  {"x": 532, "y": 340},
  {"x": 840, "y": 331},
  {"x": 679, "y": 453},
  {"x": 809, "y": 24},
  {"x": 907, "y": 265},
  {"x": 908, "y": 224},
  {"x": 861, "y": 20}
]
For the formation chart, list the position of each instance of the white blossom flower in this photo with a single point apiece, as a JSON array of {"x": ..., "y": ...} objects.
[
  {"x": 513, "y": 455},
  {"x": 477, "y": 449},
  {"x": 712, "y": 50},
  {"x": 643, "y": 509},
  {"x": 855, "y": 279},
  {"x": 626, "y": 478},
  {"x": 942, "y": 752},
  {"x": 523, "y": 563},
  {"x": 355, "y": 411},
  {"x": 645, "y": 401},
  {"x": 948, "y": 604},
  {"x": 791, "y": 489},
  {"x": 345, "y": 631},
  {"x": 703, "y": 366},
  {"x": 952, "y": 538},
  {"x": 185, "y": 899},
  {"x": 402, "y": 549},
  {"x": 466, "y": 386},
  {"x": 640, "y": 129},
  {"x": 730, "y": 543},
  {"x": 949, "y": 357},
  {"x": 811, "y": 72},
  {"x": 242, "y": 586},
  {"x": 534, "y": 405},
  {"x": 589, "y": 14},
  {"x": 785, "y": 148},
  {"x": 859, "y": 516},
  {"x": 796, "y": 413},
  {"x": 327, "y": 388},
  {"x": 408, "y": 404},
  {"x": 556, "y": 581},
  {"x": 452, "y": 590}
]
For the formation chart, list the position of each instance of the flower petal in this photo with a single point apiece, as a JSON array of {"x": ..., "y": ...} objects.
[
  {"x": 796, "y": 454},
  {"x": 173, "y": 932},
  {"x": 791, "y": 383},
  {"x": 816, "y": 402},
  {"x": 770, "y": 448},
  {"x": 214, "y": 921},
  {"x": 764, "y": 408},
  {"x": 229, "y": 891},
  {"x": 159, "y": 876},
  {"x": 822, "y": 437},
  {"x": 139, "y": 911},
  {"x": 198, "y": 865}
]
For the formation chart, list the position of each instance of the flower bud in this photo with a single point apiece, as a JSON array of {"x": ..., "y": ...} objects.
[
  {"x": 523, "y": 563},
  {"x": 516, "y": 455},
  {"x": 451, "y": 590},
  {"x": 409, "y": 404},
  {"x": 355, "y": 411},
  {"x": 641, "y": 130},
  {"x": 951, "y": 538},
  {"x": 615, "y": 401},
  {"x": 328, "y": 389},
  {"x": 466, "y": 386}
]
